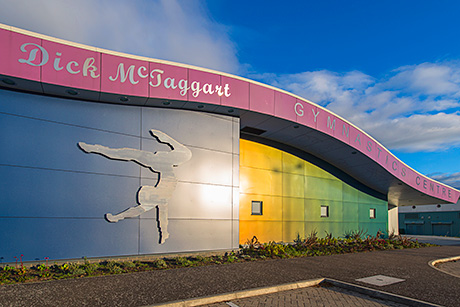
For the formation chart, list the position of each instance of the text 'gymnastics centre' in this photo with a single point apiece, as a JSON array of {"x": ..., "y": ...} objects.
[{"x": 107, "y": 154}]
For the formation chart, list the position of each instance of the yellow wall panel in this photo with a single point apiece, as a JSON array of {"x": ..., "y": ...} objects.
[
  {"x": 293, "y": 209},
  {"x": 291, "y": 229},
  {"x": 264, "y": 231},
  {"x": 272, "y": 208},
  {"x": 292, "y": 191},
  {"x": 293, "y": 185},
  {"x": 259, "y": 181},
  {"x": 260, "y": 156},
  {"x": 293, "y": 164},
  {"x": 321, "y": 188},
  {"x": 315, "y": 171},
  {"x": 349, "y": 193}
]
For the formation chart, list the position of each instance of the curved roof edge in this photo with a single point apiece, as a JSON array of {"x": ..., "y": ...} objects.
[{"x": 38, "y": 63}]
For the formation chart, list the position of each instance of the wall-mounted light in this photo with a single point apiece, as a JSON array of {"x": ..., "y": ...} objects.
[
  {"x": 8, "y": 82},
  {"x": 353, "y": 152},
  {"x": 200, "y": 106},
  {"x": 296, "y": 126},
  {"x": 166, "y": 103},
  {"x": 124, "y": 99},
  {"x": 231, "y": 111},
  {"x": 72, "y": 92}
]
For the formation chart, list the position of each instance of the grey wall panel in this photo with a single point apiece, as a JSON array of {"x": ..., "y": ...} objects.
[
  {"x": 54, "y": 196},
  {"x": 206, "y": 166},
  {"x": 27, "y": 192},
  {"x": 235, "y": 234},
  {"x": 66, "y": 238},
  {"x": 116, "y": 118},
  {"x": 187, "y": 235},
  {"x": 196, "y": 200},
  {"x": 236, "y": 171},
  {"x": 209, "y": 131},
  {"x": 236, "y": 135},
  {"x": 192, "y": 200},
  {"x": 236, "y": 203},
  {"x": 37, "y": 143}
]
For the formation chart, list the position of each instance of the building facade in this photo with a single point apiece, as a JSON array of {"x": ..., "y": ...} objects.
[
  {"x": 431, "y": 220},
  {"x": 107, "y": 154}
]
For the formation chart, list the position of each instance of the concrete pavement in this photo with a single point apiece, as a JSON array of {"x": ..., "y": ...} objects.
[
  {"x": 436, "y": 239},
  {"x": 421, "y": 280}
]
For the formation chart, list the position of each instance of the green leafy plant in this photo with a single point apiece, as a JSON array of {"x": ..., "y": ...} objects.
[{"x": 312, "y": 245}]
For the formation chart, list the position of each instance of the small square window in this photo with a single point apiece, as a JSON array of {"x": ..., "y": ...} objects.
[
  {"x": 256, "y": 207},
  {"x": 324, "y": 211},
  {"x": 372, "y": 213}
]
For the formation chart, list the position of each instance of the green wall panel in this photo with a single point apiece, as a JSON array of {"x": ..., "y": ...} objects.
[
  {"x": 321, "y": 188},
  {"x": 292, "y": 191}
]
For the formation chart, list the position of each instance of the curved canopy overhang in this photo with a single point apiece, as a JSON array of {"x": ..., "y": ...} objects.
[{"x": 37, "y": 63}]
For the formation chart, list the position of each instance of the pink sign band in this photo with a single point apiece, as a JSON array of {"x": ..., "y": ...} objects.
[{"x": 39, "y": 59}]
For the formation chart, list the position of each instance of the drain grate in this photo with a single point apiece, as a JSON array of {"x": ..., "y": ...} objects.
[{"x": 380, "y": 280}]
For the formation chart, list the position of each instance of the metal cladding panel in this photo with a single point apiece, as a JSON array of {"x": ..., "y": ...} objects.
[
  {"x": 17, "y": 45},
  {"x": 116, "y": 118},
  {"x": 236, "y": 135},
  {"x": 236, "y": 203},
  {"x": 261, "y": 99},
  {"x": 305, "y": 189},
  {"x": 204, "y": 87},
  {"x": 210, "y": 167},
  {"x": 51, "y": 184},
  {"x": 207, "y": 166},
  {"x": 239, "y": 97},
  {"x": 285, "y": 106},
  {"x": 213, "y": 131},
  {"x": 198, "y": 201},
  {"x": 307, "y": 113},
  {"x": 43, "y": 144},
  {"x": 48, "y": 193},
  {"x": 124, "y": 77},
  {"x": 235, "y": 234},
  {"x": 187, "y": 235},
  {"x": 37, "y": 238},
  {"x": 168, "y": 82},
  {"x": 70, "y": 61},
  {"x": 236, "y": 168}
]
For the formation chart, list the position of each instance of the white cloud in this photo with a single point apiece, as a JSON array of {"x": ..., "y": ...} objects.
[
  {"x": 452, "y": 179},
  {"x": 166, "y": 29},
  {"x": 415, "y": 108}
]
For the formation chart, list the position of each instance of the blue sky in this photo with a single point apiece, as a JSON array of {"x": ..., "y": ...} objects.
[{"x": 390, "y": 67}]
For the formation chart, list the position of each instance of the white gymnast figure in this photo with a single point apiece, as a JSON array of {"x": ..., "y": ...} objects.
[{"x": 161, "y": 163}]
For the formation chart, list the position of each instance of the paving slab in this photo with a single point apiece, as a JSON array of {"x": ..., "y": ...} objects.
[
  {"x": 422, "y": 281},
  {"x": 312, "y": 296},
  {"x": 451, "y": 267}
]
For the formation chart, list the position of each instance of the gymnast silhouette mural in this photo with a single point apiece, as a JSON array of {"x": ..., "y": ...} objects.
[{"x": 161, "y": 163}]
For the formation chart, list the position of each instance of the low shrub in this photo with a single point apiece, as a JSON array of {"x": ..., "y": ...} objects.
[{"x": 312, "y": 245}]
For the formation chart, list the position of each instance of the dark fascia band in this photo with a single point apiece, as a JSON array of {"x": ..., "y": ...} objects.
[{"x": 317, "y": 162}]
